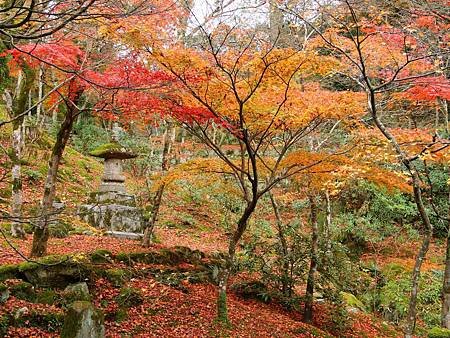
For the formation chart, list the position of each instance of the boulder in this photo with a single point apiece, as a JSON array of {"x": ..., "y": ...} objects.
[
  {"x": 353, "y": 304},
  {"x": 83, "y": 320},
  {"x": 58, "y": 275},
  {"x": 101, "y": 256},
  {"x": 112, "y": 217}
]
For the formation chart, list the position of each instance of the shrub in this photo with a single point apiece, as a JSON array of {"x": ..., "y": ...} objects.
[
  {"x": 47, "y": 297},
  {"x": 4, "y": 325},
  {"x": 32, "y": 175},
  {"x": 253, "y": 289},
  {"x": 60, "y": 229},
  {"x": 438, "y": 332},
  {"x": 51, "y": 322}
]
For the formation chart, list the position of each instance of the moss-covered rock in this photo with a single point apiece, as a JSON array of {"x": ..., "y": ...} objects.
[
  {"x": 50, "y": 271},
  {"x": 112, "y": 150},
  {"x": 8, "y": 271},
  {"x": 129, "y": 297},
  {"x": 56, "y": 275},
  {"x": 171, "y": 256},
  {"x": 27, "y": 266},
  {"x": 83, "y": 320},
  {"x": 352, "y": 302}
]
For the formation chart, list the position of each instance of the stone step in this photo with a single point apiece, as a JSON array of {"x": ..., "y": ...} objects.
[{"x": 124, "y": 235}]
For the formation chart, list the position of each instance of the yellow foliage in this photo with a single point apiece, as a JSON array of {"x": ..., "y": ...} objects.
[{"x": 332, "y": 172}]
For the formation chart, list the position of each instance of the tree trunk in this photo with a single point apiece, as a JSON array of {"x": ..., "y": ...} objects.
[
  {"x": 18, "y": 106},
  {"x": 447, "y": 115},
  {"x": 285, "y": 276},
  {"x": 309, "y": 299},
  {"x": 445, "y": 313},
  {"x": 169, "y": 139},
  {"x": 328, "y": 223},
  {"x": 148, "y": 232},
  {"x": 16, "y": 195},
  {"x": 222, "y": 309},
  {"x": 224, "y": 273},
  {"x": 277, "y": 32},
  {"x": 415, "y": 278},
  {"x": 40, "y": 236}
]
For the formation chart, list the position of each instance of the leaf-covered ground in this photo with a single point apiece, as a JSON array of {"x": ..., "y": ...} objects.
[{"x": 186, "y": 310}]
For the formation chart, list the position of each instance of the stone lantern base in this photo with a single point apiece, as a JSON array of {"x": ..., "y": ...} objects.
[{"x": 112, "y": 211}]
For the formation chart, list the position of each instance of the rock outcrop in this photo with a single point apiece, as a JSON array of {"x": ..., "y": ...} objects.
[{"x": 83, "y": 320}]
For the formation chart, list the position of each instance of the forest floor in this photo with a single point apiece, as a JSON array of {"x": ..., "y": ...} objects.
[{"x": 185, "y": 310}]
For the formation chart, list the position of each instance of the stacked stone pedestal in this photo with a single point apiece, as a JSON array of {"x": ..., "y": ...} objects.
[
  {"x": 113, "y": 211},
  {"x": 111, "y": 208}
]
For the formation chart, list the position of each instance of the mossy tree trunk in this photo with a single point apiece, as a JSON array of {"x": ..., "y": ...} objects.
[
  {"x": 157, "y": 198},
  {"x": 16, "y": 107},
  {"x": 445, "y": 313},
  {"x": 286, "y": 288},
  {"x": 328, "y": 222},
  {"x": 445, "y": 321},
  {"x": 41, "y": 235},
  {"x": 225, "y": 271},
  {"x": 309, "y": 299}
]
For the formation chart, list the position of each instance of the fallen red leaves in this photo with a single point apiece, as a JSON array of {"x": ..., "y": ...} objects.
[
  {"x": 179, "y": 312},
  {"x": 169, "y": 312}
]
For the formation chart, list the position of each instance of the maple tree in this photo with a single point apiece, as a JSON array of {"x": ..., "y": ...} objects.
[
  {"x": 260, "y": 99},
  {"x": 379, "y": 58}
]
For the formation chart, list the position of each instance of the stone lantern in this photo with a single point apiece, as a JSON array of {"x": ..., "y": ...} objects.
[
  {"x": 113, "y": 180},
  {"x": 111, "y": 208}
]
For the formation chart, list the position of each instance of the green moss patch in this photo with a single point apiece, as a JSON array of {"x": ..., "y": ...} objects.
[
  {"x": 117, "y": 276},
  {"x": 101, "y": 256},
  {"x": 129, "y": 297},
  {"x": 112, "y": 150}
]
